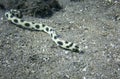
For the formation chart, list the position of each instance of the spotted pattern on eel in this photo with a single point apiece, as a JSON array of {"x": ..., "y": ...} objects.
[{"x": 15, "y": 17}]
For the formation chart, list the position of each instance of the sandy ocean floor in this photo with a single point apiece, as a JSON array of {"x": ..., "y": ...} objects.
[{"x": 26, "y": 54}]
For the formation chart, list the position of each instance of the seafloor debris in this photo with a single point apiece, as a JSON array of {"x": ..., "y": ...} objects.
[
  {"x": 38, "y": 8},
  {"x": 117, "y": 17}
]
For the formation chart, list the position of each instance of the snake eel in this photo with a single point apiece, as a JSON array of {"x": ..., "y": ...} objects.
[{"x": 15, "y": 16}]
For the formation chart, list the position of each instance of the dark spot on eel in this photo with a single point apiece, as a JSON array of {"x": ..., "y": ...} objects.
[
  {"x": 51, "y": 29},
  {"x": 33, "y": 23},
  {"x": 56, "y": 36},
  {"x": 66, "y": 42},
  {"x": 37, "y": 26},
  {"x": 60, "y": 43},
  {"x": 15, "y": 20},
  {"x": 76, "y": 46},
  {"x": 27, "y": 24},
  {"x": 7, "y": 15},
  {"x": 11, "y": 16},
  {"x": 51, "y": 35},
  {"x": 75, "y": 50},
  {"x": 47, "y": 29},
  {"x": 43, "y": 25},
  {"x": 22, "y": 20},
  {"x": 69, "y": 45}
]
